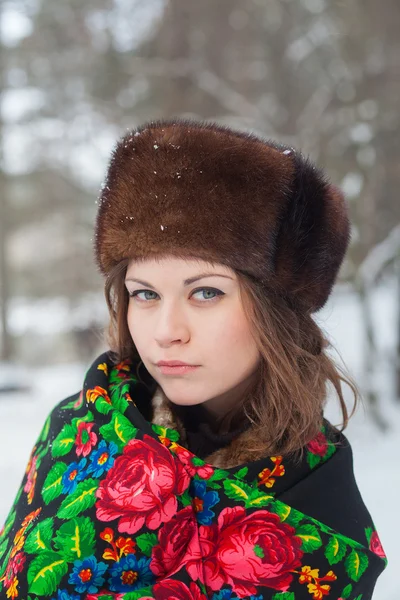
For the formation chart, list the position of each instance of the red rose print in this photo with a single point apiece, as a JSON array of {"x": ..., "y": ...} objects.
[
  {"x": 79, "y": 400},
  {"x": 141, "y": 487},
  {"x": 318, "y": 445},
  {"x": 168, "y": 588},
  {"x": 178, "y": 543},
  {"x": 107, "y": 593},
  {"x": 375, "y": 545},
  {"x": 29, "y": 487},
  {"x": 186, "y": 457},
  {"x": 85, "y": 439},
  {"x": 17, "y": 562},
  {"x": 242, "y": 548}
]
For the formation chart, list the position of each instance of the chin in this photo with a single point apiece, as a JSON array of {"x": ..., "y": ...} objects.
[
  {"x": 184, "y": 395},
  {"x": 185, "y": 401}
]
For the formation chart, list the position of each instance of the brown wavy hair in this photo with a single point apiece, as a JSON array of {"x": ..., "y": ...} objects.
[{"x": 286, "y": 403}]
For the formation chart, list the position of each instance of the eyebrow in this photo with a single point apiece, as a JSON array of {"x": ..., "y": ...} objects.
[{"x": 186, "y": 281}]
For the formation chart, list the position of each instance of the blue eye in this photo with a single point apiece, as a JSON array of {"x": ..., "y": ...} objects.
[
  {"x": 212, "y": 290},
  {"x": 136, "y": 292},
  {"x": 206, "y": 289}
]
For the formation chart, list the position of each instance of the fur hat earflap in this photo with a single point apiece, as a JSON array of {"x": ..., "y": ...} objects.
[{"x": 199, "y": 189}]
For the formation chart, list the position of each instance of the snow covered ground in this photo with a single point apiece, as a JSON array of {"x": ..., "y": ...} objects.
[{"x": 376, "y": 455}]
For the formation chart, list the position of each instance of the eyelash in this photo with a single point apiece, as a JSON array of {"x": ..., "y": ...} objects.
[{"x": 218, "y": 292}]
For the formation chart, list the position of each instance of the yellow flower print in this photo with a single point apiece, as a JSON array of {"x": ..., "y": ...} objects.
[
  {"x": 318, "y": 591},
  {"x": 312, "y": 579},
  {"x": 103, "y": 367},
  {"x": 18, "y": 546},
  {"x": 267, "y": 476},
  {"x": 308, "y": 574},
  {"x": 29, "y": 518},
  {"x": 12, "y": 591},
  {"x": 97, "y": 392}
]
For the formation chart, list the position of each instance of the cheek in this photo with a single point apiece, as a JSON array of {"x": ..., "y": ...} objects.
[
  {"x": 232, "y": 335},
  {"x": 135, "y": 325}
]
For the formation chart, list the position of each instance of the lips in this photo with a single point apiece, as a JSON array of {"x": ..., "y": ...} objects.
[
  {"x": 173, "y": 363},
  {"x": 177, "y": 370}
]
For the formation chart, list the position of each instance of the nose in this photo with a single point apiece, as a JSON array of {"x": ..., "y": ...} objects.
[{"x": 171, "y": 326}]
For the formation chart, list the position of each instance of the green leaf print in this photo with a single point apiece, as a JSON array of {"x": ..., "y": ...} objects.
[
  {"x": 146, "y": 542},
  {"x": 88, "y": 418},
  {"x": 5, "y": 562},
  {"x": 114, "y": 376},
  {"x": 40, "y": 453},
  {"x": 218, "y": 474},
  {"x": 236, "y": 490},
  {"x": 335, "y": 550},
  {"x": 214, "y": 485},
  {"x": 74, "y": 404},
  {"x": 258, "y": 499},
  {"x": 136, "y": 595},
  {"x": 3, "y": 547},
  {"x": 53, "y": 486},
  {"x": 242, "y": 492},
  {"x": 45, "y": 430},
  {"x": 322, "y": 527},
  {"x": 83, "y": 498},
  {"x": 287, "y": 514},
  {"x": 171, "y": 434},
  {"x": 355, "y": 564},
  {"x": 346, "y": 591},
  {"x": 118, "y": 399},
  {"x": 185, "y": 498},
  {"x": 9, "y": 522},
  {"x": 102, "y": 406},
  {"x": 310, "y": 537},
  {"x": 39, "y": 538},
  {"x": 241, "y": 473},
  {"x": 284, "y": 596},
  {"x": 17, "y": 497},
  {"x": 46, "y": 572},
  {"x": 120, "y": 430},
  {"x": 313, "y": 459},
  {"x": 76, "y": 539},
  {"x": 64, "y": 441},
  {"x": 368, "y": 534},
  {"x": 330, "y": 451}
]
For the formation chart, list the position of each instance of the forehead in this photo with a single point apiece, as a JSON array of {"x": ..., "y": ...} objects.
[{"x": 174, "y": 263}]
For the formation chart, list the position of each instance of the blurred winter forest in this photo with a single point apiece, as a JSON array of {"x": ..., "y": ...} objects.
[
  {"x": 324, "y": 77},
  {"x": 321, "y": 76}
]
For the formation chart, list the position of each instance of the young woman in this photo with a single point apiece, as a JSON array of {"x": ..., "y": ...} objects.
[{"x": 196, "y": 461}]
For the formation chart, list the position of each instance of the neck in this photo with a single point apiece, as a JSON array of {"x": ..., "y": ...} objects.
[{"x": 194, "y": 415}]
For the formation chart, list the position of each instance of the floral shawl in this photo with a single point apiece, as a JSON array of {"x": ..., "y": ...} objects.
[{"x": 113, "y": 506}]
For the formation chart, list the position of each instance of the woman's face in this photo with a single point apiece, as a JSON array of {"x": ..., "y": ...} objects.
[{"x": 199, "y": 322}]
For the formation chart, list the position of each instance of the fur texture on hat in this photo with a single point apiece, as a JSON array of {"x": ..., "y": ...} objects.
[{"x": 197, "y": 189}]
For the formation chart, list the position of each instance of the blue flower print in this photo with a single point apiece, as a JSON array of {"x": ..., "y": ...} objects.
[
  {"x": 229, "y": 595},
  {"x": 87, "y": 575},
  {"x": 130, "y": 574},
  {"x": 224, "y": 595},
  {"x": 203, "y": 501},
  {"x": 65, "y": 595},
  {"x": 102, "y": 459},
  {"x": 74, "y": 473}
]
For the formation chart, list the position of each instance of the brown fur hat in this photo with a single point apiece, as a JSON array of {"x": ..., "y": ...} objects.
[{"x": 198, "y": 189}]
